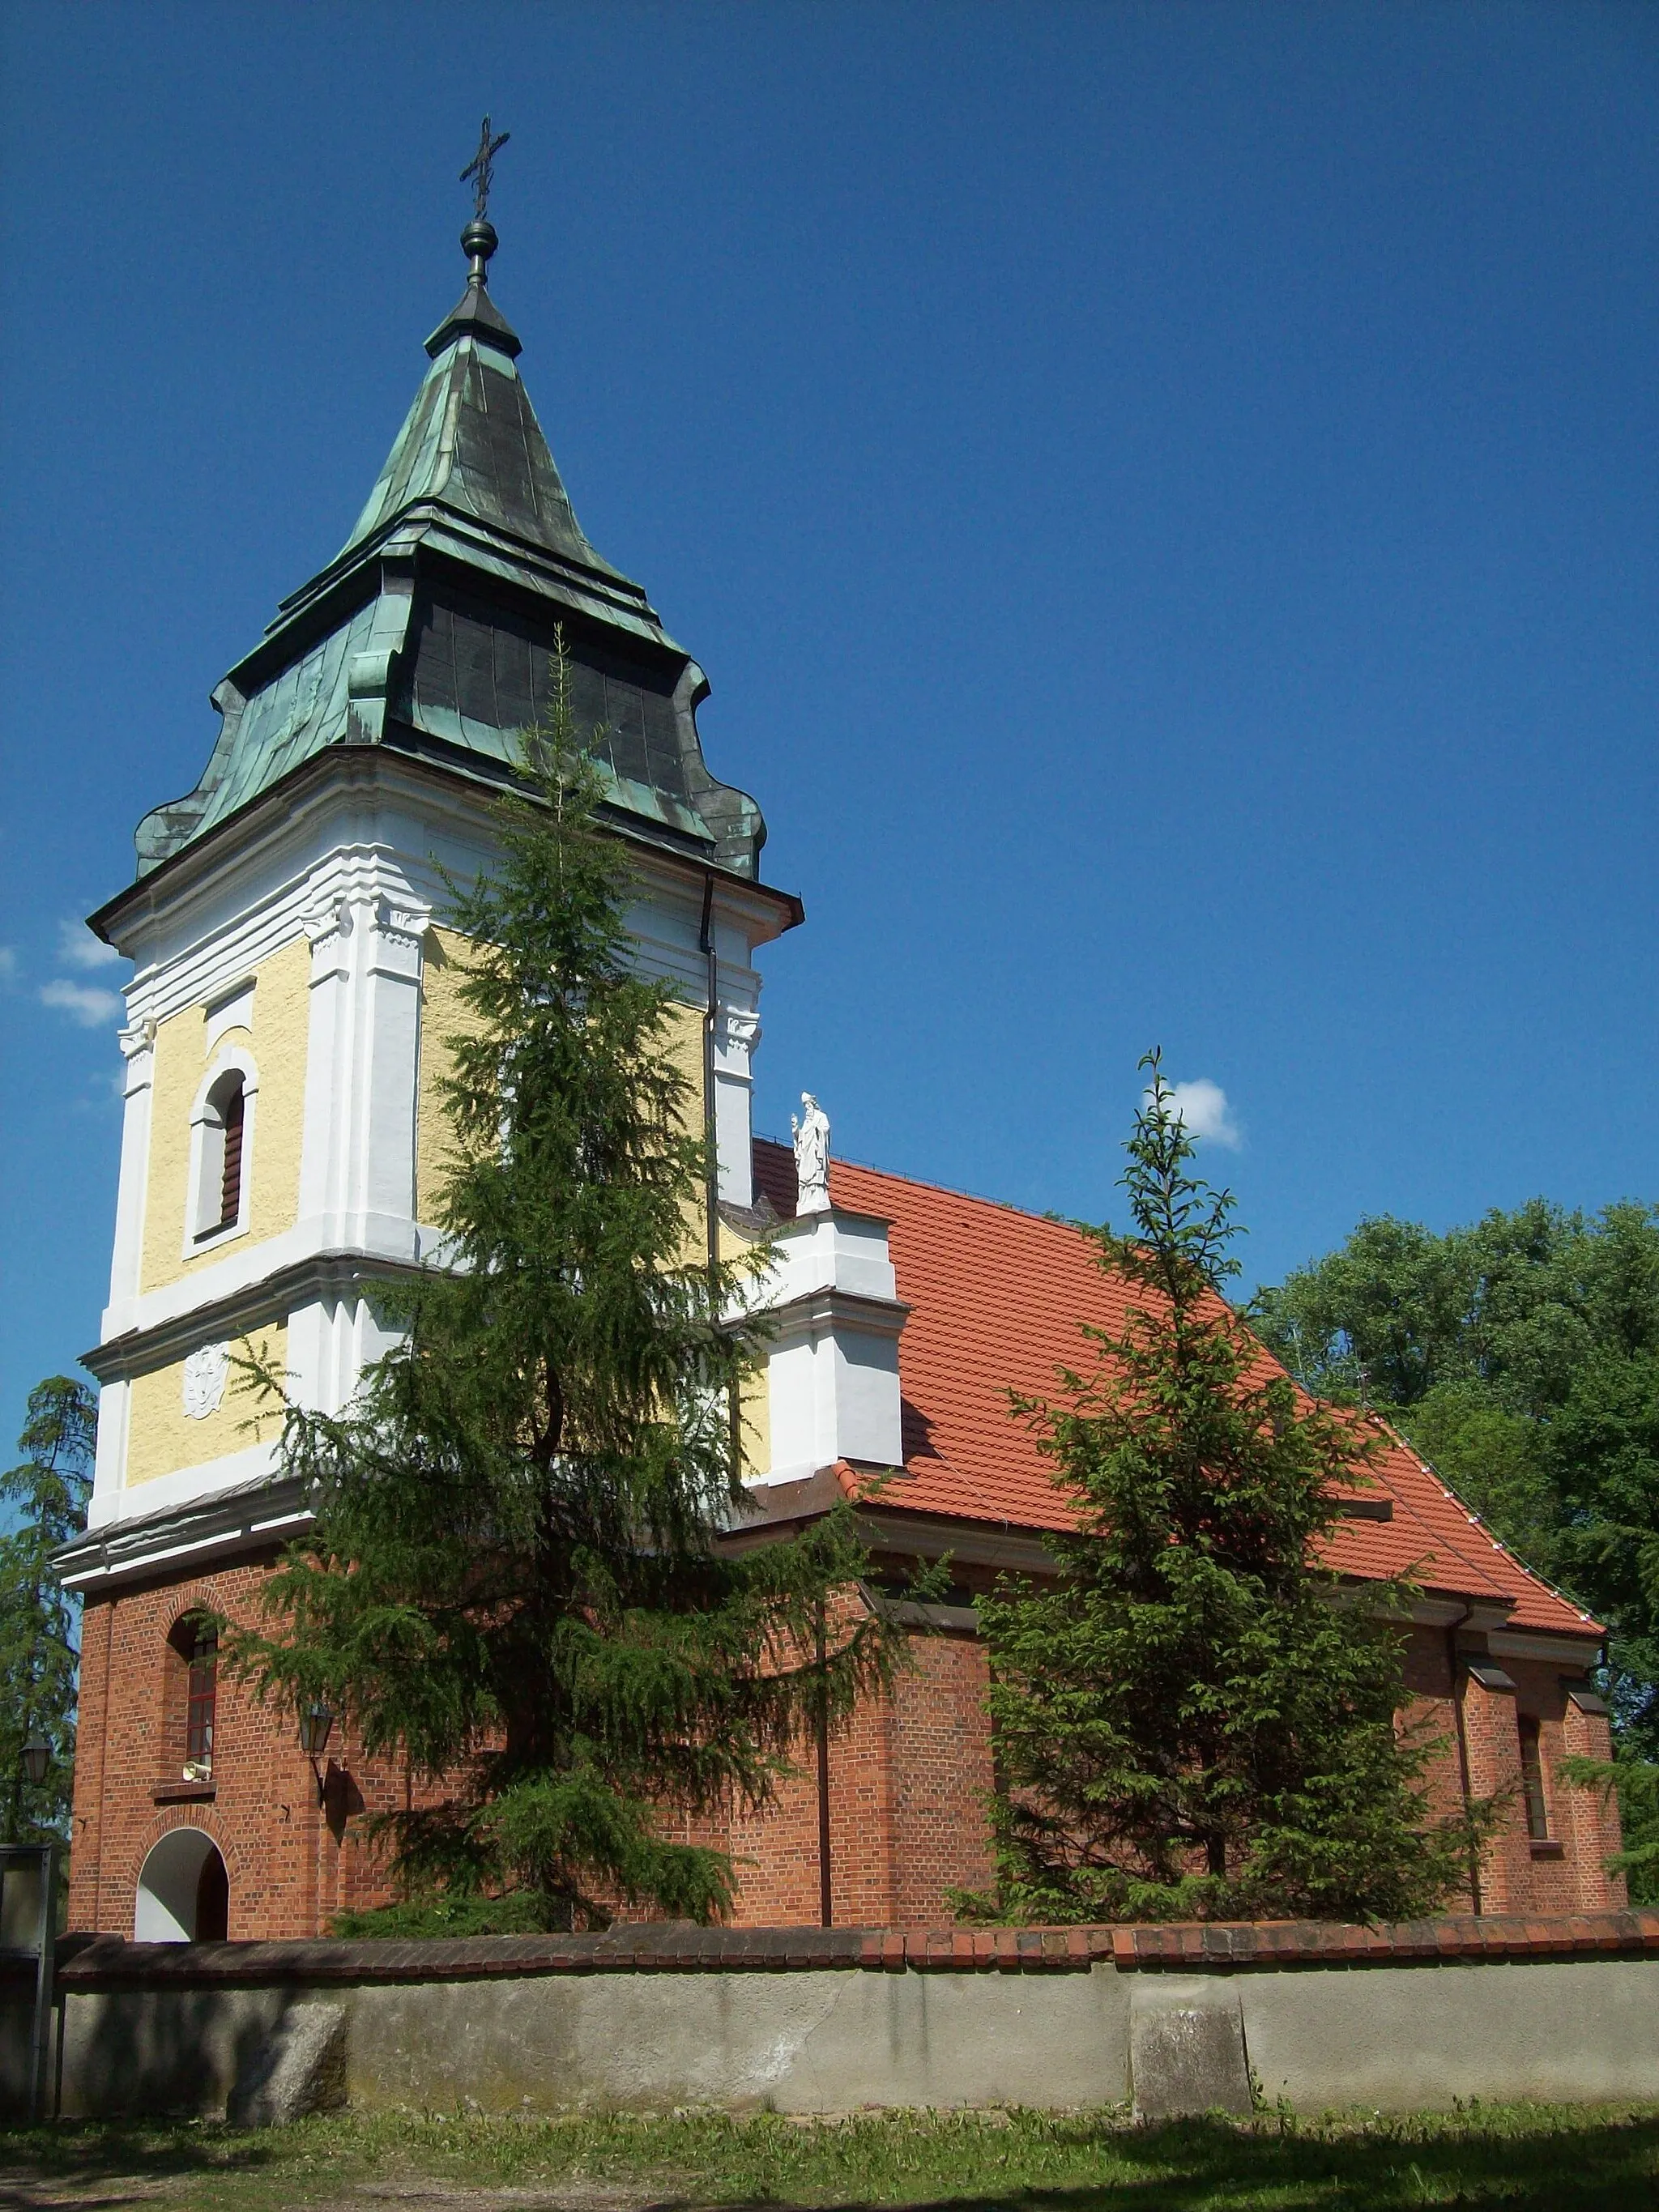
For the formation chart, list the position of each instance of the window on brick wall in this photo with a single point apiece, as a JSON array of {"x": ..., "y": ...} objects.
[
  {"x": 1532, "y": 1779},
  {"x": 195, "y": 1673}
]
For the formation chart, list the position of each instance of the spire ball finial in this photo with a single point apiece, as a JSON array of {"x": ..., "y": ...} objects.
[{"x": 478, "y": 242}]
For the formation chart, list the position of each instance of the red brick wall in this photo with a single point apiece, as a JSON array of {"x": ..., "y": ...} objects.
[
  {"x": 292, "y": 1864},
  {"x": 1564, "y": 1874},
  {"x": 941, "y": 1744},
  {"x": 909, "y": 1781}
]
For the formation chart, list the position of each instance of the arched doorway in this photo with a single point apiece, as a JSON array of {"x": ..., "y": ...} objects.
[{"x": 184, "y": 1891}]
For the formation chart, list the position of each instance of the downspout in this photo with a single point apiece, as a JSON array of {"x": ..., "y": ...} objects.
[
  {"x": 1452, "y": 1628},
  {"x": 711, "y": 1148},
  {"x": 826, "y": 1914},
  {"x": 710, "y": 1015}
]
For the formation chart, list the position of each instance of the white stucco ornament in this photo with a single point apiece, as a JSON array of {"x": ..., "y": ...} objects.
[
  {"x": 812, "y": 1136},
  {"x": 205, "y": 1372}
]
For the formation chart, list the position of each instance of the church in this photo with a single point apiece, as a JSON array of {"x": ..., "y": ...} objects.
[{"x": 294, "y": 979}]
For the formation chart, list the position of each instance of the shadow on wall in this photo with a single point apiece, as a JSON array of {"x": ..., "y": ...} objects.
[{"x": 212, "y": 2053}]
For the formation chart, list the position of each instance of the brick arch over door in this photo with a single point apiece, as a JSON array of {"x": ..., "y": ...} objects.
[{"x": 168, "y": 1887}]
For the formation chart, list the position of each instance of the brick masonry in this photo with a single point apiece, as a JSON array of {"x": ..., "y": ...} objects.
[
  {"x": 909, "y": 1778},
  {"x": 1184, "y": 1948},
  {"x": 293, "y": 1863}
]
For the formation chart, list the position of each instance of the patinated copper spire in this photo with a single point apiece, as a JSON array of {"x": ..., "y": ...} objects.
[{"x": 437, "y": 622}]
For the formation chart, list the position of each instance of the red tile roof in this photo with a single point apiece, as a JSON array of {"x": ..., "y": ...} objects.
[{"x": 997, "y": 1298}]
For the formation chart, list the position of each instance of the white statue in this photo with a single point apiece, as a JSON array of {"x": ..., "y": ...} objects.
[{"x": 812, "y": 1136}]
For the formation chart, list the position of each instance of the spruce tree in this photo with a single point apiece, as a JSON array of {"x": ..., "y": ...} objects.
[
  {"x": 1195, "y": 1720},
  {"x": 39, "y": 1654},
  {"x": 515, "y": 1581}
]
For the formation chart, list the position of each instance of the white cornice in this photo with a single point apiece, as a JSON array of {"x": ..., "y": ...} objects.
[
  {"x": 254, "y": 1279},
  {"x": 279, "y": 831},
  {"x": 212, "y": 937}
]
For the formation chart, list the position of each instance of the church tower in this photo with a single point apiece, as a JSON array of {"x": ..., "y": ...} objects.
[{"x": 294, "y": 981}]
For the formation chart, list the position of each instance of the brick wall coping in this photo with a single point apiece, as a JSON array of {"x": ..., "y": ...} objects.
[{"x": 109, "y": 1962}]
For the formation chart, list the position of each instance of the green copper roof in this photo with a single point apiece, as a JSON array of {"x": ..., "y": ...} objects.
[
  {"x": 472, "y": 441},
  {"x": 432, "y": 630}
]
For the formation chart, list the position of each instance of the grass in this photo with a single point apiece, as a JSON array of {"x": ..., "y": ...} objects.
[
  {"x": 1564, "y": 2159},
  {"x": 1007, "y": 2162}
]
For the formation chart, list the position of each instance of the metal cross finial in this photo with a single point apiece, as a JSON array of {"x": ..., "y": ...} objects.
[{"x": 483, "y": 167}]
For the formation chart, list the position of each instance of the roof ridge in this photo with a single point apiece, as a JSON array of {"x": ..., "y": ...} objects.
[
  {"x": 1475, "y": 1520},
  {"x": 945, "y": 1189}
]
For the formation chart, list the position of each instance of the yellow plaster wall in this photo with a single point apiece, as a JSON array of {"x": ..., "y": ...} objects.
[
  {"x": 282, "y": 993},
  {"x": 755, "y": 1399},
  {"x": 162, "y": 1438},
  {"x": 685, "y": 1050},
  {"x": 443, "y": 1014},
  {"x": 756, "y": 1408}
]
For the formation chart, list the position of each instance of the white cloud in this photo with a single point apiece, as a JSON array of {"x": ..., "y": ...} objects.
[
  {"x": 83, "y": 1002},
  {"x": 7, "y": 964},
  {"x": 1203, "y": 1107},
  {"x": 78, "y": 945}
]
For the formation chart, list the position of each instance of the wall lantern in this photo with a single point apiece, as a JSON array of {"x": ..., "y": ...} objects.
[
  {"x": 316, "y": 1720},
  {"x": 36, "y": 1756}
]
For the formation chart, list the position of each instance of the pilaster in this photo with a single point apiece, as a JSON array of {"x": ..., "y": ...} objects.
[
  {"x": 1494, "y": 1754},
  {"x": 138, "y": 1090},
  {"x": 357, "y": 1161},
  {"x": 737, "y": 1036},
  {"x": 1591, "y": 1822}
]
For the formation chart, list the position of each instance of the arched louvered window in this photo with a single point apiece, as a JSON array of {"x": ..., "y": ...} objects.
[
  {"x": 233, "y": 1116},
  {"x": 220, "y": 1153}
]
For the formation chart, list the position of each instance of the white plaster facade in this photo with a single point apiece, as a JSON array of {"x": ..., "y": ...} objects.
[
  {"x": 350, "y": 862},
  {"x": 832, "y": 1367}
]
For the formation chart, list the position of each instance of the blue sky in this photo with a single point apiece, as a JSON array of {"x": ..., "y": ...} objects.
[{"x": 1165, "y": 496}]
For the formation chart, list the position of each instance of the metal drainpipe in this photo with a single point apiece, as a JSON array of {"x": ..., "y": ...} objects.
[
  {"x": 711, "y": 1014},
  {"x": 711, "y": 1144},
  {"x": 1452, "y": 1628},
  {"x": 826, "y": 1911}
]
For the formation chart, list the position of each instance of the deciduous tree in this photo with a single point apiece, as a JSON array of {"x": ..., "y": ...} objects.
[{"x": 1521, "y": 1355}]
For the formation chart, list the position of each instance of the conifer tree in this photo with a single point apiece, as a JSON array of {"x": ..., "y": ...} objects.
[
  {"x": 514, "y": 1581},
  {"x": 1195, "y": 1720},
  {"x": 39, "y": 1654}
]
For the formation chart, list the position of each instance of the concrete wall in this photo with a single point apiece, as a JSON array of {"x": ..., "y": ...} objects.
[
  {"x": 830, "y": 2023},
  {"x": 1407, "y": 2037}
]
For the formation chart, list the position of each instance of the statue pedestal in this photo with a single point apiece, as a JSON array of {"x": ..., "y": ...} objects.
[{"x": 832, "y": 1367}]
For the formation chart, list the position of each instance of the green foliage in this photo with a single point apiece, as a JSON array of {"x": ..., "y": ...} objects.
[
  {"x": 515, "y": 1581},
  {"x": 1194, "y": 1720},
  {"x": 1521, "y": 1357},
  {"x": 39, "y": 1654}
]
